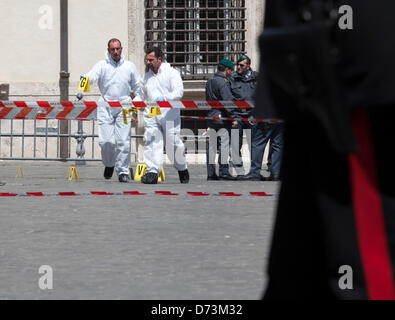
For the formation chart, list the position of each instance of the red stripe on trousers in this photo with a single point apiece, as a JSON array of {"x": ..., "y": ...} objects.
[{"x": 369, "y": 216}]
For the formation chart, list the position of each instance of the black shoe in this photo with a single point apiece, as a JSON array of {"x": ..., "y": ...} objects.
[
  {"x": 250, "y": 177},
  {"x": 123, "y": 178},
  {"x": 226, "y": 177},
  {"x": 272, "y": 178},
  {"x": 213, "y": 177},
  {"x": 184, "y": 176},
  {"x": 239, "y": 168},
  {"x": 108, "y": 172},
  {"x": 150, "y": 178}
]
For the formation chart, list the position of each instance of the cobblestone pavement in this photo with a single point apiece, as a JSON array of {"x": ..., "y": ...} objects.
[{"x": 126, "y": 246}]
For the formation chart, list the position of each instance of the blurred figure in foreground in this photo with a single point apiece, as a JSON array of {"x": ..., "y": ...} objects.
[{"x": 329, "y": 72}]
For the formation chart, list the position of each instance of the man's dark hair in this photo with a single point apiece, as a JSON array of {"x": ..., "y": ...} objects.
[
  {"x": 157, "y": 51},
  {"x": 221, "y": 67},
  {"x": 113, "y": 40},
  {"x": 244, "y": 57},
  {"x": 248, "y": 61}
]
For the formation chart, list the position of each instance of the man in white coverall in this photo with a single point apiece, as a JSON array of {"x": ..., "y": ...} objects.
[
  {"x": 116, "y": 77},
  {"x": 162, "y": 83}
]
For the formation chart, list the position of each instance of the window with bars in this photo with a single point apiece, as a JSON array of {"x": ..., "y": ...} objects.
[{"x": 195, "y": 34}]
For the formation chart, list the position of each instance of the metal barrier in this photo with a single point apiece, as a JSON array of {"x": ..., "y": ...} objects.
[
  {"x": 22, "y": 139},
  {"x": 22, "y": 119}
]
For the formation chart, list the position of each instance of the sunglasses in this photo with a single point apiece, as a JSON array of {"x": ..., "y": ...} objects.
[{"x": 241, "y": 65}]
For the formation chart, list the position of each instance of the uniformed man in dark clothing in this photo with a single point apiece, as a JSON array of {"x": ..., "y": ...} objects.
[
  {"x": 244, "y": 88},
  {"x": 243, "y": 85},
  {"x": 218, "y": 88},
  {"x": 332, "y": 81}
]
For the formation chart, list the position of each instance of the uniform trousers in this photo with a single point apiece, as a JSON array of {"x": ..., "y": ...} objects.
[
  {"x": 114, "y": 139},
  {"x": 334, "y": 234},
  {"x": 163, "y": 131}
]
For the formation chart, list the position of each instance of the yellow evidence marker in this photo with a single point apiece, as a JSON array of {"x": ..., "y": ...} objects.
[
  {"x": 142, "y": 169},
  {"x": 126, "y": 112},
  {"x": 161, "y": 177},
  {"x": 153, "y": 112},
  {"x": 84, "y": 84},
  {"x": 17, "y": 172},
  {"x": 73, "y": 171}
]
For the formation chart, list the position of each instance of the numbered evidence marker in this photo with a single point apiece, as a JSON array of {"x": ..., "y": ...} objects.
[
  {"x": 126, "y": 112},
  {"x": 73, "y": 171},
  {"x": 153, "y": 112},
  {"x": 17, "y": 172},
  {"x": 84, "y": 84},
  {"x": 142, "y": 169}
]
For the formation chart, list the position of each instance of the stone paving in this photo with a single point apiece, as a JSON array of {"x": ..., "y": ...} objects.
[{"x": 125, "y": 246}]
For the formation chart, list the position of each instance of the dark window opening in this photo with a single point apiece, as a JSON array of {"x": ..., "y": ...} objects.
[{"x": 195, "y": 34}]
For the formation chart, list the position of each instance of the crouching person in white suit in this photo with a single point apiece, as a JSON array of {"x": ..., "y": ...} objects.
[
  {"x": 116, "y": 77},
  {"x": 162, "y": 83}
]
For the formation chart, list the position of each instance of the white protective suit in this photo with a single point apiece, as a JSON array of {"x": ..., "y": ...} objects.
[
  {"x": 115, "y": 83},
  {"x": 164, "y": 128}
]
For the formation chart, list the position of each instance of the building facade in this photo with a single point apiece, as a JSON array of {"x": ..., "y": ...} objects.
[{"x": 194, "y": 35}]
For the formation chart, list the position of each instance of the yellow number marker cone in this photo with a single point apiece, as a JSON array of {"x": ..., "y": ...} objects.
[
  {"x": 73, "y": 171},
  {"x": 161, "y": 177},
  {"x": 84, "y": 84},
  {"x": 17, "y": 172},
  {"x": 142, "y": 170},
  {"x": 125, "y": 113},
  {"x": 153, "y": 112}
]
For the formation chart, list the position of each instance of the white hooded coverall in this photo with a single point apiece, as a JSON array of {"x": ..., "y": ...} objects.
[
  {"x": 115, "y": 80},
  {"x": 164, "y": 128}
]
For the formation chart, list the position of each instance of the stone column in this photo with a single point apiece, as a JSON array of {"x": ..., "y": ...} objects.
[
  {"x": 4, "y": 91},
  {"x": 136, "y": 31},
  {"x": 254, "y": 27}
]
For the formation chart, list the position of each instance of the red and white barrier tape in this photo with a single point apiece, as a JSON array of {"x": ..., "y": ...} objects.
[
  {"x": 233, "y": 119},
  {"x": 133, "y": 193},
  {"x": 87, "y": 110}
]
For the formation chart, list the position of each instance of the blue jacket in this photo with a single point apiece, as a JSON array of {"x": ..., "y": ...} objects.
[
  {"x": 218, "y": 88},
  {"x": 243, "y": 88}
]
